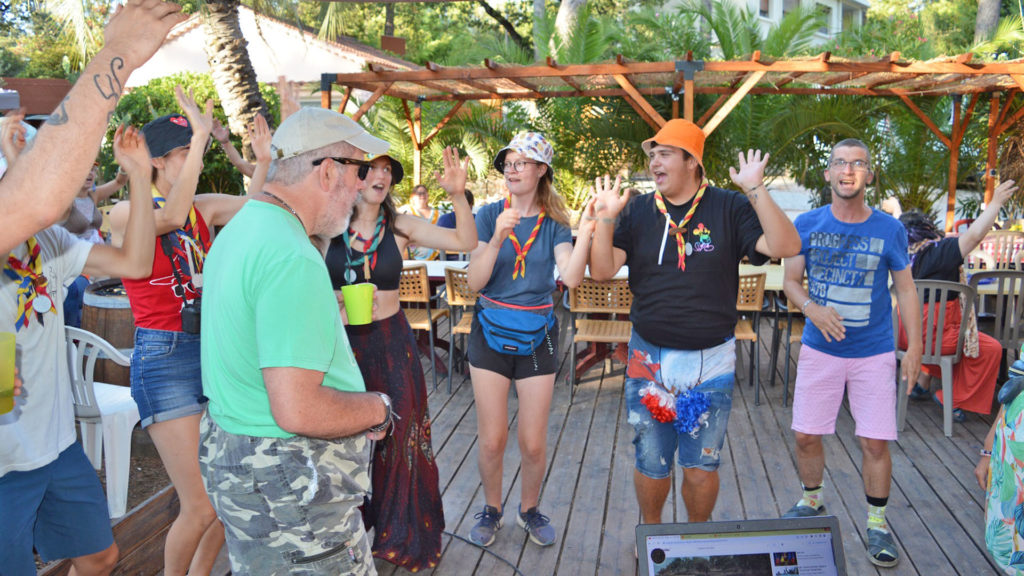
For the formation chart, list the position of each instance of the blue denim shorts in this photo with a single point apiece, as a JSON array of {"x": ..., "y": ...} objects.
[
  {"x": 58, "y": 508},
  {"x": 167, "y": 380},
  {"x": 655, "y": 442}
]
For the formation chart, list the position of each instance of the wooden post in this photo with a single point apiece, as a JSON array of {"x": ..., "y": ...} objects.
[
  {"x": 417, "y": 146},
  {"x": 993, "y": 145},
  {"x": 688, "y": 99},
  {"x": 326, "y": 81}
]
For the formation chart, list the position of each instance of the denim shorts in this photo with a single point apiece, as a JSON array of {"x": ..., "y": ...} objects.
[
  {"x": 167, "y": 381},
  {"x": 655, "y": 442},
  {"x": 58, "y": 508}
]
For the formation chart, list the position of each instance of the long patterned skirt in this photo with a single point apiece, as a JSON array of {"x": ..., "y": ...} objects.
[{"x": 405, "y": 506}]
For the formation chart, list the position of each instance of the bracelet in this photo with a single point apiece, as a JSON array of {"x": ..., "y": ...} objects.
[
  {"x": 761, "y": 185},
  {"x": 984, "y": 452},
  {"x": 387, "y": 418},
  {"x": 803, "y": 309}
]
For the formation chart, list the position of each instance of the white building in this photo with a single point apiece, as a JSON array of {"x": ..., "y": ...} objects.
[{"x": 839, "y": 14}]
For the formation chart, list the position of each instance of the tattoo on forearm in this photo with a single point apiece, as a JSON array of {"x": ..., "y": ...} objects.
[
  {"x": 60, "y": 115},
  {"x": 113, "y": 83}
]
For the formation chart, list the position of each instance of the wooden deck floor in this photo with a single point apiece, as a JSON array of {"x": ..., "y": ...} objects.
[{"x": 935, "y": 507}]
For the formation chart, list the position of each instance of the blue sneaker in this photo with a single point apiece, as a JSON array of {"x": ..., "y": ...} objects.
[
  {"x": 537, "y": 525},
  {"x": 919, "y": 393},
  {"x": 489, "y": 523}
]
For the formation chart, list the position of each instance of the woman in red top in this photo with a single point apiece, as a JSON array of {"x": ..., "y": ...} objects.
[{"x": 165, "y": 370}]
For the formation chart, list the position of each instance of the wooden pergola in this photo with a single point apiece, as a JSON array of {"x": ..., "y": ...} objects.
[{"x": 888, "y": 76}]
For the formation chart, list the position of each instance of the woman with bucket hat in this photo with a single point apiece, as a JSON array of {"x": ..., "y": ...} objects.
[
  {"x": 165, "y": 371},
  {"x": 405, "y": 507},
  {"x": 523, "y": 239}
]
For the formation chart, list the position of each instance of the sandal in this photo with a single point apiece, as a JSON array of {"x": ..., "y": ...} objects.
[{"x": 882, "y": 548}]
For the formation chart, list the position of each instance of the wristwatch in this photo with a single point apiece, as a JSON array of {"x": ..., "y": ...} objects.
[{"x": 387, "y": 418}]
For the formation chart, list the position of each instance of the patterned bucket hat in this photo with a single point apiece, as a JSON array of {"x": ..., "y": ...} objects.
[{"x": 530, "y": 144}]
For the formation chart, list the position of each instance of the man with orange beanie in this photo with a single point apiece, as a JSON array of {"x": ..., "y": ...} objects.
[{"x": 683, "y": 245}]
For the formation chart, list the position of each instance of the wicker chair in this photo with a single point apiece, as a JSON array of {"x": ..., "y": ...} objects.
[
  {"x": 592, "y": 297},
  {"x": 414, "y": 288},
  {"x": 750, "y": 301},
  {"x": 460, "y": 303}
]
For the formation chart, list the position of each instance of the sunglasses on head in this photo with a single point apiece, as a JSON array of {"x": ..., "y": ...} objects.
[{"x": 364, "y": 166}]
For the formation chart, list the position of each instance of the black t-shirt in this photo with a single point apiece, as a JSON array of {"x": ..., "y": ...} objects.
[
  {"x": 938, "y": 261},
  {"x": 696, "y": 308}
]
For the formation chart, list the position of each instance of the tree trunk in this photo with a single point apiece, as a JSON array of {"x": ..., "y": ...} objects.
[
  {"x": 987, "y": 20},
  {"x": 389, "y": 19},
  {"x": 232, "y": 71},
  {"x": 568, "y": 14},
  {"x": 540, "y": 14}
]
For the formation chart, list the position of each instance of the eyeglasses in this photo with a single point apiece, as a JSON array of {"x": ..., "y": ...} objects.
[
  {"x": 840, "y": 164},
  {"x": 516, "y": 166},
  {"x": 364, "y": 166}
]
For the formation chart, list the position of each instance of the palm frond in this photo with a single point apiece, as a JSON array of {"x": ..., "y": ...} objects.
[{"x": 1008, "y": 36}]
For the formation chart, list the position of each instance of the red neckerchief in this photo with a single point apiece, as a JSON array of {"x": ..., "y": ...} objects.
[
  {"x": 679, "y": 230},
  {"x": 522, "y": 251}
]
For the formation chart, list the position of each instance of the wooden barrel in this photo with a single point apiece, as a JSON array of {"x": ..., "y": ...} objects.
[{"x": 106, "y": 313}]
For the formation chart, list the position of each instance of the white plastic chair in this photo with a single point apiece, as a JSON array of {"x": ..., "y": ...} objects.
[{"x": 106, "y": 413}]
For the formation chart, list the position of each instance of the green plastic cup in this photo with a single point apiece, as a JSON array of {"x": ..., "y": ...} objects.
[
  {"x": 6, "y": 372},
  {"x": 358, "y": 303}
]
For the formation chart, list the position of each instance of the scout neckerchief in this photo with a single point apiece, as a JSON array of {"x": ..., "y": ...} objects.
[
  {"x": 428, "y": 253},
  {"x": 188, "y": 238},
  {"x": 521, "y": 251},
  {"x": 678, "y": 230},
  {"x": 434, "y": 214},
  {"x": 28, "y": 275},
  {"x": 370, "y": 245}
]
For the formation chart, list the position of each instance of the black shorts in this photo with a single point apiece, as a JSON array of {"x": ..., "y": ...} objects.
[{"x": 541, "y": 363}]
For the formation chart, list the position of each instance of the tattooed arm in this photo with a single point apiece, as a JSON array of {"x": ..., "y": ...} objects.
[{"x": 36, "y": 191}]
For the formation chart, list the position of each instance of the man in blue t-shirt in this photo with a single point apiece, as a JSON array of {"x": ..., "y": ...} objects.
[
  {"x": 683, "y": 245},
  {"x": 849, "y": 251}
]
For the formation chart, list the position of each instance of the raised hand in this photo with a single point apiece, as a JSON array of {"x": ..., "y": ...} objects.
[
  {"x": 260, "y": 136},
  {"x": 588, "y": 220},
  {"x": 12, "y": 135},
  {"x": 453, "y": 177},
  {"x": 130, "y": 150},
  {"x": 220, "y": 132},
  {"x": 1004, "y": 192},
  {"x": 289, "y": 93},
  {"x": 201, "y": 121},
  {"x": 750, "y": 175},
  {"x": 138, "y": 28},
  {"x": 609, "y": 198}
]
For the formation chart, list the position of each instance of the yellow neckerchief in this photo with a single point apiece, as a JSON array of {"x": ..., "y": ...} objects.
[
  {"x": 679, "y": 230},
  {"x": 188, "y": 235}
]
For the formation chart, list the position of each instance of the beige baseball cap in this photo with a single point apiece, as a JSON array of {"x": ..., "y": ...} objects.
[{"x": 312, "y": 128}]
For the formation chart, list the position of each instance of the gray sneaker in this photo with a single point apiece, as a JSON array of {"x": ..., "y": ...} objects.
[
  {"x": 799, "y": 511},
  {"x": 537, "y": 525},
  {"x": 489, "y": 523},
  {"x": 882, "y": 548}
]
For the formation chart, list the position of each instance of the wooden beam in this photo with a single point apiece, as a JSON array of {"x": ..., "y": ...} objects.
[
  {"x": 1011, "y": 120},
  {"x": 451, "y": 114},
  {"x": 924, "y": 118},
  {"x": 434, "y": 67},
  {"x": 408, "y": 119},
  {"x": 649, "y": 110},
  {"x": 688, "y": 94},
  {"x": 1006, "y": 107},
  {"x": 1019, "y": 79},
  {"x": 417, "y": 150},
  {"x": 517, "y": 81},
  {"x": 345, "y": 99},
  {"x": 370, "y": 101},
  {"x": 717, "y": 104},
  {"x": 642, "y": 113},
  {"x": 325, "y": 99},
  {"x": 731, "y": 103},
  {"x": 552, "y": 63}
]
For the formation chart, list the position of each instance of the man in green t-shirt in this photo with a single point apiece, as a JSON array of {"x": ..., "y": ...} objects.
[{"x": 285, "y": 440}]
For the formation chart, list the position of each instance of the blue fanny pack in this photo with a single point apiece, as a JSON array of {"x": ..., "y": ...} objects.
[{"x": 516, "y": 332}]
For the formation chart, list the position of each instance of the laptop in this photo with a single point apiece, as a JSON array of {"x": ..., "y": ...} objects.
[{"x": 774, "y": 547}]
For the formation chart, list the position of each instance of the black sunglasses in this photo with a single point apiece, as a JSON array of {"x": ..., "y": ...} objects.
[{"x": 364, "y": 166}]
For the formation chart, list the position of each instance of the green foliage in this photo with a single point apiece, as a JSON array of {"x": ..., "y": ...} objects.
[{"x": 155, "y": 99}]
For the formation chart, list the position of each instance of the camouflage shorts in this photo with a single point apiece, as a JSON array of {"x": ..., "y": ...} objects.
[{"x": 289, "y": 505}]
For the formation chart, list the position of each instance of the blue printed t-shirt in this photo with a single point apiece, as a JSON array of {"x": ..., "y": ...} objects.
[
  {"x": 535, "y": 287},
  {"x": 267, "y": 303},
  {"x": 848, "y": 268}
]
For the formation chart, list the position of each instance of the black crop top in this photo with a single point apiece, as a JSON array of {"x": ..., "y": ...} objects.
[{"x": 385, "y": 274}]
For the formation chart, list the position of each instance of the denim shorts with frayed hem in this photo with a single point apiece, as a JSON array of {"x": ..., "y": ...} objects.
[
  {"x": 656, "y": 442},
  {"x": 167, "y": 381}
]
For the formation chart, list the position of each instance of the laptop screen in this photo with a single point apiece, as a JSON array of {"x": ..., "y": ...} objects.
[{"x": 776, "y": 547}]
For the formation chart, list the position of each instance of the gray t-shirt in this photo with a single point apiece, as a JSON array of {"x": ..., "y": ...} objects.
[
  {"x": 533, "y": 288},
  {"x": 42, "y": 423}
]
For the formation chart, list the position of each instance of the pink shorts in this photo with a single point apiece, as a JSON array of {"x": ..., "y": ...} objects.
[{"x": 870, "y": 383}]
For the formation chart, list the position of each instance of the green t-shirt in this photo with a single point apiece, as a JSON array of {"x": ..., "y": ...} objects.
[{"x": 267, "y": 302}]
